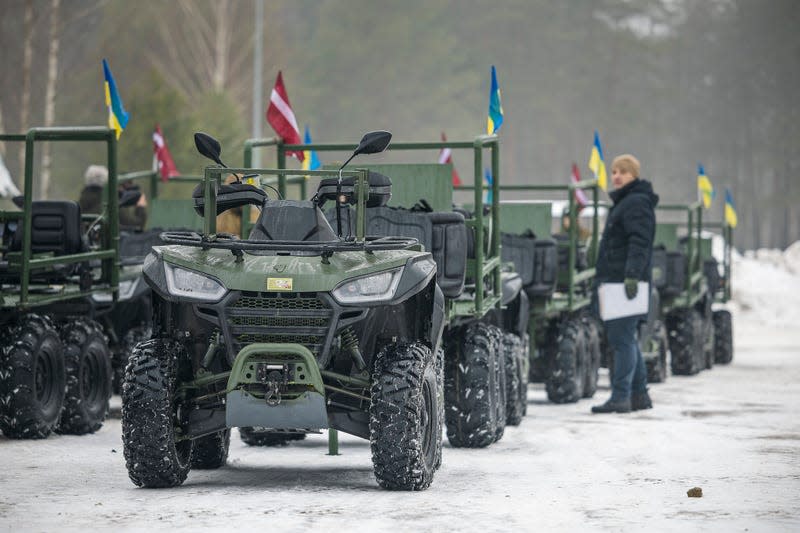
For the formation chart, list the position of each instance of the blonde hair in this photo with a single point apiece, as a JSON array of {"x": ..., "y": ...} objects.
[{"x": 627, "y": 163}]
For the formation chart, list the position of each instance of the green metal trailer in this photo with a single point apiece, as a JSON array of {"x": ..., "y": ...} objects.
[{"x": 55, "y": 371}]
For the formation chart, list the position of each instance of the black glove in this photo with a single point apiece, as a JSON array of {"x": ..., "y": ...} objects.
[{"x": 631, "y": 287}]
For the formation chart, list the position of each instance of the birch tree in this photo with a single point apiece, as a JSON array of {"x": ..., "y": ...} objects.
[
  {"x": 50, "y": 94},
  {"x": 27, "y": 64}
]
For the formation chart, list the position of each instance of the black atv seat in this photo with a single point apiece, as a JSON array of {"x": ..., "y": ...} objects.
[
  {"x": 229, "y": 196},
  {"x": 380, "y": 190},
  {"x": 443, "y": 233},
  {"x": 56, "y": 226},
  {"x": 292, "y": 220}
]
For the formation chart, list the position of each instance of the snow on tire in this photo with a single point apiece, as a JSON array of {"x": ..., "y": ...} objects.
[
  {"x": 568, "y": 357},
  {"x": 88, "y": 369},
  {"x": 686, "y": 341},
  {"x": 516, "y": 379},
  {"x": 154, "y": 455},
  {"x": 405, "y": 426},
  {"x": 32, "y": 378},
  {"x": 723, "y": 337}
]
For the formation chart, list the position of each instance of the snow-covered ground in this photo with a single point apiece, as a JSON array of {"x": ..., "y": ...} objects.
[{"x": 734, "y": 431}]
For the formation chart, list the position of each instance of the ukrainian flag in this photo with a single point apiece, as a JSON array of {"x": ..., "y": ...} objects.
[
  {"x": 311, "y": 160},
  {"x": 596, "y": 163},
  {"x": 117, "y": 116},
  {"x": 730, "y": 210},
  {"x": 704, "y": 187},
  {"x": 495, "y": 106}
]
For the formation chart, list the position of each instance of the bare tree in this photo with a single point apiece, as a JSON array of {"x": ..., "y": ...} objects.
[
  {"x": 50, "y": 94},
  {"x": 27, "y": 63}
]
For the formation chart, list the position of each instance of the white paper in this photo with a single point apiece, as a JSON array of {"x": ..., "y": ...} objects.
[{"x": 615, "y": 304}]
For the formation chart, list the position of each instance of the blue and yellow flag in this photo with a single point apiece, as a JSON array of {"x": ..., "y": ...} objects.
[
  {"x": 311, "y": 159},
  {"x": 487, "y": 175},
  {"x": 597, "y": 164},
  {"x": 704, "y": 187},
  {"x": 495, "y": 106},
  {"x": 117, "y": 116},
  {"x": 730, "y": 210}
]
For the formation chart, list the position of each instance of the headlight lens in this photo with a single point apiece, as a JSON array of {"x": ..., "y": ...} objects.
[
  {"x": 373, "y": 288},
  {"x": 192, "y": 285}
]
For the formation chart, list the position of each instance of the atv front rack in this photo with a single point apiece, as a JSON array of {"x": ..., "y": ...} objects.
[{"x": 226, "y": 241}]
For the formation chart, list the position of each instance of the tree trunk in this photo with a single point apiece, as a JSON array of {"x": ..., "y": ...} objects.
[
  {"x": 50, "y": 95},
  {"x": 27, "y": 61},
  {"x": 222, "y": 43}
]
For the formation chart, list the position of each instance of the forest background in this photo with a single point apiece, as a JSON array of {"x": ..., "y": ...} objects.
[{"x": 676, "y": 82}]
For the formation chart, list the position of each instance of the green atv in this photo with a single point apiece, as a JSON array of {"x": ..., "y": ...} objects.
[
  {"x": 296, "y": 328},
  {"x": 55, "y": 369}
]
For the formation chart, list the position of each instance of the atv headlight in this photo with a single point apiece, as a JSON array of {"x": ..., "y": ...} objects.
[
  {"x": 192, "y": 285},
  {"x": 378, "y": 287}
]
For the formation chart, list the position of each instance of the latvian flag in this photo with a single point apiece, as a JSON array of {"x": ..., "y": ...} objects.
[
  {"x": 281, "y": 117},
  {"x": 163, "y": 159},
  {"x": 446, "y": 156},
  {"x": 580, "y": 195}
]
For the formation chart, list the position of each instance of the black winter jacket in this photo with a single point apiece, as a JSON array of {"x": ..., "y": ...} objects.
[{"x": 627, "y": 246}]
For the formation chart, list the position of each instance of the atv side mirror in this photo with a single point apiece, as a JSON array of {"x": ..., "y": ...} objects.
[
  {"x": 373, "y": 142},
  {"x": 208, "y": 147}
]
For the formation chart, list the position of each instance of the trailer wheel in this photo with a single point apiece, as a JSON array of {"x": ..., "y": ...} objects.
[
  {"x": 723, "y": 337},
  {"x": 686, "y": 341},
  {"x": 267, "y": 437},
  {"x": 211, "y": 451},
  {"x": 516, "y": 380},
  {"x": 657, "y": 367},
  {"x": 405, "y": 426},
  {"x": 568, "y": 356},
  {"x": 471, "y": 387},
  {"x": 88, "y": 368},
  {"x": 500, "y": 382},
  {"x": 154, "y": 454},
  {"x": 594, "y": 354},
  {"x": 32, "y": 378}
]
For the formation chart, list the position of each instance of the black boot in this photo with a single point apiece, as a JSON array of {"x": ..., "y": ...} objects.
[
  {"x": 622, "y": 406},
  {"x": 641, "y": 400}
]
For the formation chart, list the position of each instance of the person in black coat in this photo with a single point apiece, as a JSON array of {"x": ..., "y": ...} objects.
[{"x": 625, "y": 257}]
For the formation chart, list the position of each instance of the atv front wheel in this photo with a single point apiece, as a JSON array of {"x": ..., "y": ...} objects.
[
  {"x": 593, "y": 356},
  {"x": 568, "y": 358},
  {"x": 211, "y": 451},
  {"x": 471, "y": 387},
  {"x": 500, "y": 382},
  {"x": 154, "y": 454},
  {"x": 657, "y": 345},
  {"x": 122, "y": 353},
  {"x": 88, "y": 366},
  {"x": 32, "y": 378},
  {"x": 266, "y": 437},
  {"x": 723, "y": 337},
  {"x": 405, "y": 426}
]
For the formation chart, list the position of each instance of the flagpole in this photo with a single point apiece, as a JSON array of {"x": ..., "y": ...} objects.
[{"x": 258, "y": 82}]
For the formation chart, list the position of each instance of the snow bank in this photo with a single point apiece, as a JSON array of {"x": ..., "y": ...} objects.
[{"x": 766, "y": 286}]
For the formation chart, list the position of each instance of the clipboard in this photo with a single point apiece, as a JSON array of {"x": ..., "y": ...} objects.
[{"x": 615, "y": 304}]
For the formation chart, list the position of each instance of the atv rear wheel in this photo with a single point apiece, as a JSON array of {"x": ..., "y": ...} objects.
[
  {"x": 723, "y": 337},
  {"x": 516, "y": 379},
  {"x": 567, "y": 369},
  {"x": 32, "y": 378},
  {"x": 471, "y": 387},
  {"x": 211, "y": 451},
  {"x": 88, "y": 367},
  {"x": 686, "y": 341},
  {"x": 657, "y": 345},
  {"x": 267, "y": 437},
  {"x": 593, "y": 355},
  {"x": 405, "y": 425},
  {"x": 154, "y": 454}
]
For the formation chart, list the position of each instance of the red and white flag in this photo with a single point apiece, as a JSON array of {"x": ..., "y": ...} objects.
[
  {"x": 580, "y": 196},
  {"x": 446, "y": 156},
  {"x": 281, "y": 117},
  {"x": 164, "y": 162}
]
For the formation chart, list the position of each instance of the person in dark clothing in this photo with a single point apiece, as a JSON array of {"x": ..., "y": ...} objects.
[
  {"x": 624, "y": 257},
  {"x": 91, "y": 200}
]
